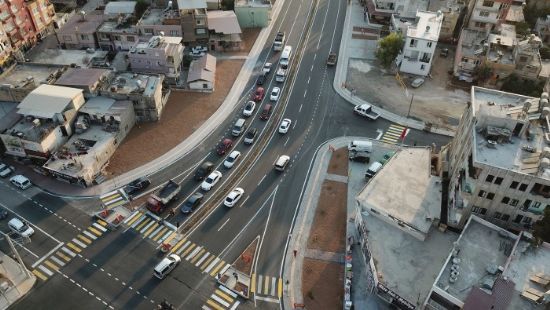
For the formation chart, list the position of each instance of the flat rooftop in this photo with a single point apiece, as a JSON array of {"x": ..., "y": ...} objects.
[
  {"x": 157, "y": 16},
  {"x": 428, "y": 25},
  {"x": 111, "y": 26},
  {"x": 26, "y": 129},
  {"x": 481, "y": 249},
  {"x": 408, "y": 169},
  {"x": 413, "y": 7},
  {"x": 81, "y": 77},
  {"x": 67, "y": 57},
  {"x": 20, "y": 74},
  {"x": 472, "y": 43},
  {"x": 252, "y": 3},
  {"x": 127, "y": 83}
]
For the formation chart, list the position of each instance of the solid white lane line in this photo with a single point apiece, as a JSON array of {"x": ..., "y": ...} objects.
[{"x": 224, "y": 224}]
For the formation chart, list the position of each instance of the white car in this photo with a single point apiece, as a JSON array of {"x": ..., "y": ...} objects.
[
  {"x": 20, "y": 227},
  {"x": 20, "y": 181},
  {"x": 211, "y": 180},
  {"x": 285, "y": 125},
  {"x": 233, "y": 197},
  {"x": 275, "y": 94},
  {"x": 249, "y": 108},
  {"x": 267, "y": 67},
  {"x": 199, "y": 49},
  {"x": 166, "y": 265},
  {"x": 232, "y": 159}
]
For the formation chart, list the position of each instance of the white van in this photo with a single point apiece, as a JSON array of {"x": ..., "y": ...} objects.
[
  {"x": 285, "y": 56},
  {"x": 20, "y": 181},
  {"x": 166, "y": 265},
  {"x": 18, "y": 226},
  {"x": 373, "y": 169},
  {"x": 282, "y": 162},
  {"x": 238, "y": 128},
  {"x": 360, "y": 146}
]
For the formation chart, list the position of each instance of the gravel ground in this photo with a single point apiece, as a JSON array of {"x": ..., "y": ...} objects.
[
  {"x": 339, "y": 162},
  {"x": 323, "y": 284}
]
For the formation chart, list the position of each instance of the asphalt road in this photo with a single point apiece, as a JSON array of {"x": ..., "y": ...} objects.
[{"x": 115, "y": 270}]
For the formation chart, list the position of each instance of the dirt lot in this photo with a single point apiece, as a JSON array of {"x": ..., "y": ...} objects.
[
  {"x": 323, "y": 284},
  {"x": 244, "y": 262},
  {"x": 183, "y": 114},
  {"x": 249, "y": 37},
  {"x": 339, "y": 162}
]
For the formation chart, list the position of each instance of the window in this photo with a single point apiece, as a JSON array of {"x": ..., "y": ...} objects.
[
  {"x": 422, "y": 67},
  {"x": 429, "y": 44},
  {"x": 540, "y": 189},
  {"x": 498, "y": 180},
  {"x": 523, "y": 187},
  {"x": 514, "y": 185},
  {"x": 497, "y": 215},
  {"x": 130, "y": 39},
  {"x": 526, "y": 204},
  {"x": 518, "y": 218},
  {"x": 483, "y": 211},
  {"x": 475, "y": 209},
  {"x": 514, "y": 202},
  {"x": 526, "y": 220},
  {"x": 489, "y": 178},
  {"x": 505, "y": 217},
  {"x": 148, "y": 30},
  {"x": 480, "y": 25},
  {"x": 173, "y": 32},
  {"x": 481, "y": 193},
  {"x": 484, "y": 13},
  {"x": 505, "y": 200},
  {"x": 490, "y": 196},
  {"x": 84, "y": 37},
  {"x": 204, "y": 85},
  {"x": 413, "y": 43},
  {"x": 488, "y": 3}
]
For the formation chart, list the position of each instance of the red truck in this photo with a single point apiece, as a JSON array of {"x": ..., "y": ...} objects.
[{"x": 157, "y": 202}]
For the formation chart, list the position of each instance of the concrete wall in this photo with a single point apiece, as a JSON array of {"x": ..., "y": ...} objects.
[
  {"x": 200, "y": 85},
  {"x": 414, "y": 65},
  {"x": 253, "y": 17}
]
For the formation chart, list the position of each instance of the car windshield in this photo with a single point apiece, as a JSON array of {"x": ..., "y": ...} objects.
[
  {"x": 230, "y": 159},
  {"x": 250, "y": 135},
  {"x": 209, "y": 180},
  {"x": 229, "y": 199}
]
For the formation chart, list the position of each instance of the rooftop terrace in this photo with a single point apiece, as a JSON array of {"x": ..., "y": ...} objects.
[
  {"x": 157, "y": 16},
  {"x": 24, "y": 74},
  {"x": 67, "y": 57},
  {"x": 132, "y": 83}
]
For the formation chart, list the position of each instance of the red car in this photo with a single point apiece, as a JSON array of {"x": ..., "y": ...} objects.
[
  {"x": 259, "y": 94},
  {"x": 224, "y": 146}
]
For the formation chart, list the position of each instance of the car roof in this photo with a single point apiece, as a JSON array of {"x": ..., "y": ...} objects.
[
  {"x": 234, "y": 153},
  {"x": 19, "y": 178},
  {"x": 195, "y": 196},
  {"x": 16, "y": 222}
]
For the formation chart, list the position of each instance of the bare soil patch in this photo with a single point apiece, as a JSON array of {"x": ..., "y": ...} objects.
[
  {"x": 249, "y": 37},
  {"x": 339, "y": 162},
  {"x": 328, "y": 232},
  {"x": 322, "y": 284},
  {"x": 244, "y": 262},
  {"x": 183, "y": 114}
]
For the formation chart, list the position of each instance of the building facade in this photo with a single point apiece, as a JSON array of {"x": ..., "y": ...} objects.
[
  {"x": 487, "y": 14},
  {"x": 194, "y": 20},
  {"x": 253, "y": 14},
  {"x": 80, "y": 31},
  {"x": 158, "y": 54}
]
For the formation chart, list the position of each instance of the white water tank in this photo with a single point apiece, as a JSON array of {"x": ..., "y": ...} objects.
[
  {"x": 544, "y": 95},
  {"x": 545, "y": 111},
  {"x": 545, "y": 163}
]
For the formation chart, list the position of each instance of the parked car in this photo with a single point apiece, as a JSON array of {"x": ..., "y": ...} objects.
[
  {"x": 267, "y": 68},
  {"x": 232, "y": 159},
  {"x": 192, "y": 203},
  {"x": 199, "y": 49},
  {"x": 20, "y": 181},
  {"x": 19, "y": 227},
  {"x": 417, "y": 82},
  {"x": 260, "y": 80},
  {"x": 285, "y": 125},
  {"x": 275, "y": 94},
  {"x": 137, "y": 186},
  {"x": 444, "y": 52},
  {"x": 211, "y": 180},
  {"x": 166, "y": 265},
  {"x": 6, "y": 171},
  {"x": 259, "y": 94},
  {"x": 204, "y": 170},
  {"x": 250, "y": 136},
  {"x": 282, "y": 162},
  {"x": 249, "y": 108},
  {"x": 224, "y": 146},
  {"x": 233, "y": 198}
]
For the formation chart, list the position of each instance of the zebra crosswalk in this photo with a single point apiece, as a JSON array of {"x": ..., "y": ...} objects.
[
  {"x": 199, "y": 257},
  {"x": 57, "y": 260},
  {"x": 151, "y": 228},
  {"x": 114, "y": 199},
  {"x": 222, "y": 299},
  {"x": 393, "y": 134},
  {"x": 266, "y": 285}
]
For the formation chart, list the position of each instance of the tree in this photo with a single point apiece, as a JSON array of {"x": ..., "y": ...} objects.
[
  {"x": 388, "y": 48},
  {"x": 544, "y": 52},
  {"x": 526, "y": 87},
  {"x": 483, "y": 73},
  {"x": 522, "y": 29},
  {"x": 542, "y": 227},
  {"x": 141, "y": 7},
  {"x": 228, "y": 5}
]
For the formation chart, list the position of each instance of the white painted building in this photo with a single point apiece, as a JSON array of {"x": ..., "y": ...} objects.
[{"x": 420, "y": 42}]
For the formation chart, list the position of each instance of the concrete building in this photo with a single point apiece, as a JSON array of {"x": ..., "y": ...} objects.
[
  {"x": 194, "y": 20},
  {"x": 80, "y": 31},
  {"x": 89, "y": 80},
  {"x": 492, "y": 268},
  {"x": 527, "y": 58},
  {"x": 46, "y": 118},
  {"x": 158, "y": 54},
  {"x": 5, "y": 49},
  {"x": 60, "y": 57},
  {"x": 417, "y": 206},
  {"x": 470, "y": 53},
  {"x": 42, "y": 15},
  {"x": 542, "y": 28},
  {"x": 451, "y": 12},
  {"x": 485, "y": 15},
  {"x": 225, "y": 32},
  {"x": 102, "y": 125},
  {"x": 499, "y": 160},
  {"x": 144, "y": 91},
  {"x": 117, "y": 35},
  {"x": 382, "y": 10},
  {"x": 20, "y": 80},
  {"x": 156, "y": 21},
  {"x": 420, "y": 42},
  {"x": 202, "y": 73},
  {"x": 253, "y": 14},
  {"x": 119, "y": 9},
  {"x": 499, "y": 52}
]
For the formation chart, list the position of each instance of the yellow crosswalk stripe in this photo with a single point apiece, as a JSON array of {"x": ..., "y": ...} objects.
[
  {"x": 218, "y": 267},
  {"x": 280, "y": 288},
  {"x": 116, "y": 204},
  {"x": 396, "y": 127},
  {"x": 51, "y": 265},
  {"x": 223, "y": 295},
  {"x": 207, "y": 262},
  {"x": 74, "y": 247},
  {"x": 102, "y": 223},
  {"x": 213, "y": 304},
  {"x": 65, "y": 257},
  {"x": 266, "y": 285},
  {"x": 40, "y": 275},
  {"x": 160, "y": 234},
  {"x": 150, "y": 230},
  {"x": 81, "y": 237},
  {"x": 172, "y": 236},
  {"x": 140, "y": 226},
  {"x": 197, "y": 256},
  {"x": 110, "y": 197},
  {"x": 177, "y": 246},
  {"x": 95, "y": 231},
  {"x": 253, "y": 283},
  {"x": 188, "y": 250},
  {"x": 134, "y": 218}
]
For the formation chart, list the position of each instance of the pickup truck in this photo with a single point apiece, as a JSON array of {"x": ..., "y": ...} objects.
[
  {"x": 157, "y": 202},
  {"x": 365, "y": 110},
  {"x": 332, "y": 59}
]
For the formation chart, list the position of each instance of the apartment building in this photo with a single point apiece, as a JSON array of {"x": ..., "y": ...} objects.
[
  {"x": 499, "y": 160},
  {"x": 420, "y": 42},
  {"x": 17, "y": 23},
  {"x": 158, "y": 54},
  {"x": 382, "y": 10},
  {"x": 194, "y": 20},
  {"x": 156, "y": 21},
  {"x": 42, "y": 15},
  {"x": 45, "y": 122},
  {"x": 485, "y": 15},
  {"x": 451, "y": 12},
  {"x": 225, "y": 32},
  {"x": 542, "y": 28},
  {"x": 80, "y": 31},
  {"x": 252, "y": 14},
  {"x": 117, "y": 35}
]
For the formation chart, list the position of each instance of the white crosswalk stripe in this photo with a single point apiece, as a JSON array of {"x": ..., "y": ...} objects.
[
  {"x": 393, "y": 134},
  {"x": 71, "y": 253},
  {"x": 199, "y": 262},
  {"x": 46, "y": 270},
  {"x": 89, "y": 234}
]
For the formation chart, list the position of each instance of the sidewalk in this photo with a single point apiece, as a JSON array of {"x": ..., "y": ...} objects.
[
  {"x": 14, "y": 281},
  {"x": 354, "y": 16},
  {"x": 186, "y": 146}
]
